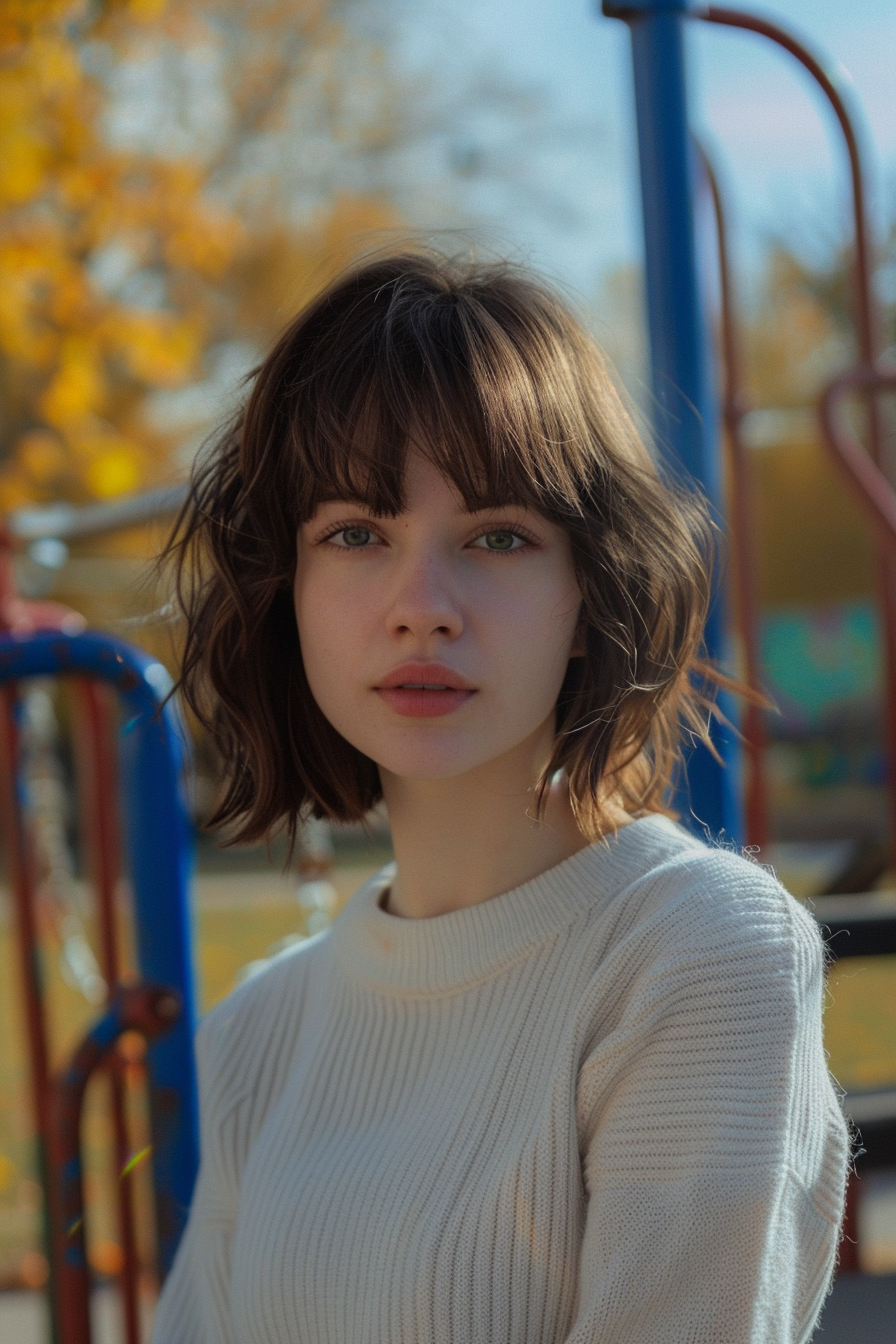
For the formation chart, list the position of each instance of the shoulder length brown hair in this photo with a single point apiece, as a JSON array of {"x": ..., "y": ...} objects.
[{"x": 485, "y": 369}]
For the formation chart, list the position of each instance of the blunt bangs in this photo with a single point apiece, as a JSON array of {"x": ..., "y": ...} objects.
[
  {"x": 486, "y": 372},
  {"x": 396, "y": 358}
]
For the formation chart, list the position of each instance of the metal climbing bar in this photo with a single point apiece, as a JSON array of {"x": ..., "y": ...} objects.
[
  {"x": 150, "y": 1010},
  {"x": 872, "y": 488},
  {"x": 96, "y": 779},
  {"x": 685, "y": 411},
  {"x": 151, "y": 764},
  {"x": 742, "y": 529},
  {"x": 866, "y": 312},
  {"x": 856, "y": 926}
]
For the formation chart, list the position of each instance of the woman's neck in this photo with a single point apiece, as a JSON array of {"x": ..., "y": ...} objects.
[{"x": 461, "y": 841}]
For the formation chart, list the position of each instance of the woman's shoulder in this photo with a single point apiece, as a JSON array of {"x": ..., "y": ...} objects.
[
  {"x": 660, "y": 884},
  {"x": 697, "y": 940}
]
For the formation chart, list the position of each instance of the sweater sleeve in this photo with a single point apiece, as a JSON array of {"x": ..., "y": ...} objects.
[
  {"x": 243, "y": 1051},
  {"x": 194, "y": 1305},
  {"x": 713, "y": 1148}
]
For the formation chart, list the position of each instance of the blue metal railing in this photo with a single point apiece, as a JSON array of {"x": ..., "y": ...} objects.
[
  {"x": 685, "y": 411},
  {"x": 152, "y": 762}
]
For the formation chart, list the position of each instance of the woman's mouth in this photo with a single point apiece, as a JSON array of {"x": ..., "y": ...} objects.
[
  {"x": 423, "y": 700},
  {"x": 424, "y": 692}
]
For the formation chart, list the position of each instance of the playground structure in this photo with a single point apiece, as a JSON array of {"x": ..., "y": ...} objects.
[
  {"x": 43, "y": 640},
  {"x": 110, "y": 679},
  {"x": 688, "y": 430}
]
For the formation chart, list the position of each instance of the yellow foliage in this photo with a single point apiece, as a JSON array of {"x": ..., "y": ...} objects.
[
  {"x": 121, "y": 266},
  {"x": 15, "y": 491},
  {"x": 23, "y": 157},
  {"x": 158, "y": 349},
  {"x": 76, "y": 354},
  {"x": 813, "y": 540},
  {"x": 7, "y": 1172},
  {"x": 281, "y": 268},
  {"x": 42, "y": 456},
  {"x": 144, "y": 11},
  {"x": 78, "y": 386},
  {"x": 115, "y": 471},
  {"x": 792, "y": 344},
  {"x": 208, "y": 250}
]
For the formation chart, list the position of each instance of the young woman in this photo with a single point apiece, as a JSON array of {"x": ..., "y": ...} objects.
[{"x": 556, "y": 1076}]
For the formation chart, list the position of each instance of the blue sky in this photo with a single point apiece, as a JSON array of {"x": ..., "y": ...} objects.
[{"x": 768, "y": 129}]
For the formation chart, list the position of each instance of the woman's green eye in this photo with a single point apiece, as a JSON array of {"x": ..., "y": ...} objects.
[
  {"x": 355, "y": 536},
  {"x": 500, "y": 541}
]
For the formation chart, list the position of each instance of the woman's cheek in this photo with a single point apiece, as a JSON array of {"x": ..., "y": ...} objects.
[{"x": 330, "y": 643}]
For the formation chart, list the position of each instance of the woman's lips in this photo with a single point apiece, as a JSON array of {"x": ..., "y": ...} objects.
[
  {"x": 414, "y": 702},
  {"x": 424, "y": 690}
]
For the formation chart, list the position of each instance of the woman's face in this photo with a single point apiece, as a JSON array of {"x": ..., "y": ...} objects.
[{"x": 437, "y": 641}]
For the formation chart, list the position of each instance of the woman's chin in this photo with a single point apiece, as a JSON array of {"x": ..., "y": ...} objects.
[{"x": 428, "y": 766}]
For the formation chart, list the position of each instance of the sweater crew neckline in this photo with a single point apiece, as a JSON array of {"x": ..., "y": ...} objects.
[{"x": 447, "y": 953}]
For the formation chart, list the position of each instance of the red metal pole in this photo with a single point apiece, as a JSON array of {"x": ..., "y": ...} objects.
[
  {"x": 23, "y": 887},
  {"x": 867, "y": 317},
  {"x": 875, "y": 492},
  {"x": 867, "y": 325},
  {"x": 862, "y": 469},
  {"x": 741, "y": 512},
  {"x": 21, "y": 617},
  {"x": 95, "y": 762},
  {"x": 151, "y": 1010}
]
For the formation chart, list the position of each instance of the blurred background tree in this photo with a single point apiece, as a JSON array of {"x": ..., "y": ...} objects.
[
  {"x": 138, "y": 241},
  {"x": 175, "y": 181}
]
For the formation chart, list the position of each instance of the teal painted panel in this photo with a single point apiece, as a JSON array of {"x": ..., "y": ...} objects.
[{"x": 821, "y": 661}]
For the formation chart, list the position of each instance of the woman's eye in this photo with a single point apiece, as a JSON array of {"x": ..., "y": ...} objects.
[
  {"x": 354, "y": 538},
  {"x": 500, "y": 540}
]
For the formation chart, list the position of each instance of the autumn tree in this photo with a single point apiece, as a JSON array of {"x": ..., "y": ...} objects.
[
  {"x": 175, "y": 180},
  {"x": 132, "y": 244},
  {"x": 78, "y": 360}
]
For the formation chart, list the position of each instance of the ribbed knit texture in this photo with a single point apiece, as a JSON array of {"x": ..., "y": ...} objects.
[{"x": 593, "y": 1109}]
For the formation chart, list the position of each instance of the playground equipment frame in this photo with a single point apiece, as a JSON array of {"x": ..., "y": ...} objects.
[
  {"x": 673, "y": 288},
  {"x": 152, "y": 758}
]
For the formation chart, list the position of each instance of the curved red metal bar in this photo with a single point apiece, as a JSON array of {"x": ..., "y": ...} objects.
[
  {"x": 96, "y": 768},
  {"x": 97, "y": 795},
  {"x": 151, "y": 1010},
  {"x": 19, "y": 616},
  {"x": 867, "y": 326},
  {"x": 23, "y": 888},
  {"x": 867, "y": 323},
  {"x": 874, "y": 491}
]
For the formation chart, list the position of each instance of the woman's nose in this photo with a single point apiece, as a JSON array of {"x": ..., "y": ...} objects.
[{"x": 425, "y": 601}]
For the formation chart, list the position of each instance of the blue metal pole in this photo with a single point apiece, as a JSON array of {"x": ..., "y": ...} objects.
[
  {"x": 685, "y": 411},
  {"x": 153, "y": 761}
]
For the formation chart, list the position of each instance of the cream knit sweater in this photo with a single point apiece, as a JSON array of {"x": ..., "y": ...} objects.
[{"x": 593, "y": 1109}]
